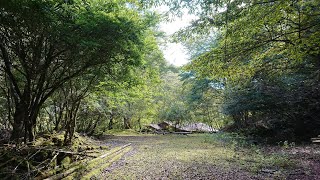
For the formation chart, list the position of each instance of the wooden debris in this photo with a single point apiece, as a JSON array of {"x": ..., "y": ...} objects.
[
  {"x": 154, "y": 127},
  {"x": 316, "y": 139},
  {"x": 88, "y": 162},
  {"x": 166, "y": 127},
  {"x": 67, "y": 152}
]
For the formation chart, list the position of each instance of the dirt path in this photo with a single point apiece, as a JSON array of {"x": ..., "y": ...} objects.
[{"x": 199, "y": 157}]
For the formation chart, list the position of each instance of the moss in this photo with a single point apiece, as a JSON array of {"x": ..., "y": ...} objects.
[
  {"x": 58, "y": 140},
  {"x": 66, "y": 161},
  {"x": 53, "y": 163},
  {"x": 70, "y": 177}
]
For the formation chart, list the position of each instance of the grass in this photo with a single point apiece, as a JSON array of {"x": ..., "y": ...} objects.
[
  {"x": 172, "y": 156},
  {"x": 244, "y": 151},
  {"x": 197, "y": 156}
]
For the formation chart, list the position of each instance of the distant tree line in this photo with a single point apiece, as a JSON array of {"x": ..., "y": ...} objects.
[{"x": 265, "y": 55}]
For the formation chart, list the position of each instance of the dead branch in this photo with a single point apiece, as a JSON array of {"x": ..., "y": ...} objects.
[{"x": 67, "y": 152}]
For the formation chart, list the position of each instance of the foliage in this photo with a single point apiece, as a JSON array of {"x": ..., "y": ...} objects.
[
  {"x": 92, "y": 66},
  {"x": 265, "y": 56},
  {"x": 45, "y": 44},
  {"x": 203, "y": 99},
  {"x": 129, "y": 101}
]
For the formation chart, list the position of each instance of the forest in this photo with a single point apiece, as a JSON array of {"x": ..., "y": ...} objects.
[{"x": 82, "y": 82}]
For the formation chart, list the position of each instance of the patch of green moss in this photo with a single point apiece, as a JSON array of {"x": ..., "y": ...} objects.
[
  {"x": 58, "y": 140},
  {"x": 66, "y": 161}
]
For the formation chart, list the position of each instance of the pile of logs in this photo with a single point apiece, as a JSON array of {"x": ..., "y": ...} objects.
[
  {"x": 316, "y": 139},
  {"x": 87, "y": 168}
]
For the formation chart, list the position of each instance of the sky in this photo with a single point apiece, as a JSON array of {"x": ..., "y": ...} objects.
[{"x": 175, "y": 53}]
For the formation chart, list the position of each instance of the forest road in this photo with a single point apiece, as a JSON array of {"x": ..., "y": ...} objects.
[{"x": 195, "y": 157}]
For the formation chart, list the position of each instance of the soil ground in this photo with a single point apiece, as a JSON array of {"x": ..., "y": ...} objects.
[{"x": 210, "y": 156}]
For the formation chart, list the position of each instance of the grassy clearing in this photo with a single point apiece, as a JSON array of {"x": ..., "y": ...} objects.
[{"x": 197, "y": 156}]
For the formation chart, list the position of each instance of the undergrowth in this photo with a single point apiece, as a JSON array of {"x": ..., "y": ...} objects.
[
  {"x": 45, "y": 155},
  {"x": 249, "y": 154}
]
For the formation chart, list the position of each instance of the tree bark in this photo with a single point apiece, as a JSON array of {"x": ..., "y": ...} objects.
[
  {"x": 139, "y": 123},
  {"x": 25, "y": 119},
  {"x": 58, "y": 115},
  {"x": 18, "y": 121},
  {"x": 127, "y": 124},
  {"x": 33, "y": 122},
  {"x": 71, "y": 122},
  {"x": 110, "y": 121},
  {"x": 95, "y": 125}
]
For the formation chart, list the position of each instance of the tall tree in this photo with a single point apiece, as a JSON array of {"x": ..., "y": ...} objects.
[
  {"x": 46, "y": 43},
  {"x": 267, "y": 58},
  {"x": 266, "y": 55}
]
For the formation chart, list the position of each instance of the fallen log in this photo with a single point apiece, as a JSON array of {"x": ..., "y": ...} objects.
[
  {"x": 67, "y": 152},
  {"x": 96, "y": 170},
  {"x": 316, "y": 139}
]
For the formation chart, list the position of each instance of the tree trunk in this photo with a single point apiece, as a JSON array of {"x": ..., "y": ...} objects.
[
  {"x": 9, "y": 106},
  {"x": 88, "y": 127},
  {"x": 139, "y": 123},
  {"x": 110, "y": 122},
  {"x": 34, "y": 112},
  {"x": 95, "y": 125},
  {"x": 58, "y": 116},
  {"x": 18, "y": 121},
  {"x": 71, "y": 122},
  {"x": 67, "y": 136},
  {"x": 127, "y": 124},
  {"x": 31, "y": 131}
]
